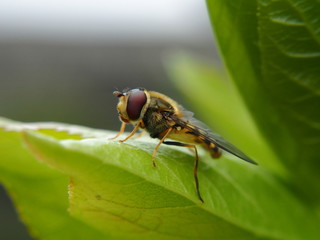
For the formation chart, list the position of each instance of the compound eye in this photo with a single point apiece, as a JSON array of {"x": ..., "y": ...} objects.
[{"x": 137, "y": 99}]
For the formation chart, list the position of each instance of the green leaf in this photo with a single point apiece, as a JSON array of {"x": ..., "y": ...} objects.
[
  {"x": 115, "y": 191},
  {"x": 272, "y": 51},
  {"x": 40, "y": 193}
]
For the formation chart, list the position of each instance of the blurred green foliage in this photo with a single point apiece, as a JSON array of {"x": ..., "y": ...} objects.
[{"x": 272, "y": 52}]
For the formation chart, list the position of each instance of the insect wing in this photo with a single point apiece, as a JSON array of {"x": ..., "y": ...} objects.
[
  {"x": 206, "y": 133},
  {"x": 228, "y": 147}
]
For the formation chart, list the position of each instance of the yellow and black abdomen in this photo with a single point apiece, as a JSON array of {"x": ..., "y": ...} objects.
[{"x": 194, "y": 135}]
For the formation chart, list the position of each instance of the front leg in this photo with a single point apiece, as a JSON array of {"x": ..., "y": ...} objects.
[
  {"x": 158, "y": 145},
  {"x": 123, "y": 126},
  {"x": 133, "y": 131}
]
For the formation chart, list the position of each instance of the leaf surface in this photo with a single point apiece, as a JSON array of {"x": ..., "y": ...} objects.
[
  {"x": 115, "y": 190},
  {"x": 40, "y": 193}
]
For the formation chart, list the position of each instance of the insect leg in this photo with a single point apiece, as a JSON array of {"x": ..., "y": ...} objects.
[
  {"x": 132, "y": 133},
  {"x": 195, "y": 169},
  {"x": 140, "y": 134},
  {"x": 158, "y": 145},
  {"x": 123, "y": 126}
]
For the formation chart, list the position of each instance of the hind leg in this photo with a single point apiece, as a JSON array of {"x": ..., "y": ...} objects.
[{"x": 196, "y": 160}]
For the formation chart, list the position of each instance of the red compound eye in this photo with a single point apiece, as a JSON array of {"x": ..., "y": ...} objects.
[{"x": 137, "y": 99}]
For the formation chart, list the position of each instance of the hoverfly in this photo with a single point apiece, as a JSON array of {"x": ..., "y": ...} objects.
[{"x": 163, "y": 118}]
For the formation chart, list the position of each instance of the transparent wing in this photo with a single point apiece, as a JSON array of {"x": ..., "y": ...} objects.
[
  {"x": 213, "y": 137},
  {"x": 225, "y": 145}
]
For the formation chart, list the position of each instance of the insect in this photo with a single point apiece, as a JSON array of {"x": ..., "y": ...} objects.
[{"x": 163, "y": 118}]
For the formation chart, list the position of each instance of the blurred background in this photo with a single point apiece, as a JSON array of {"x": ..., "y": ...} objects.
[{"x": 61, "y": 61}]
